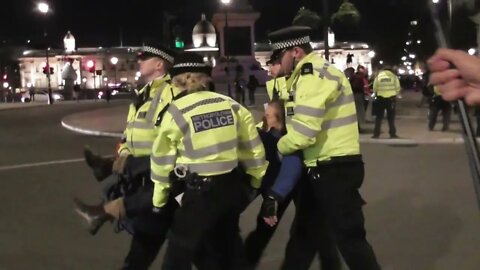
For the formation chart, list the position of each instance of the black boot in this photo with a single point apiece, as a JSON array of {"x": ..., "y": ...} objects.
[
  {"x": 94, "y": 215},
  {"x": 102, "y": 167}
]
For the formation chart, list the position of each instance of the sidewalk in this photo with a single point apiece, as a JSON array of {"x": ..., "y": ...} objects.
[{"x": 411, "y": 123}]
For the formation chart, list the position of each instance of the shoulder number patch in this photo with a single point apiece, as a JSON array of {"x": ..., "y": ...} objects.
[
  {"x": 307, "y": 68},
  {"x": 207, "y": 121}
]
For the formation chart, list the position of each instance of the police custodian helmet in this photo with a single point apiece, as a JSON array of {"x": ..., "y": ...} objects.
[
  {"x": 190, "y": 62},
  {"x": 150, "y": 50},
  {"x": 289, "y": 37}
]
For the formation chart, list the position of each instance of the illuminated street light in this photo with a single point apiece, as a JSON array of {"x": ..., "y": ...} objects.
[
  {"x": 371, "y": 54},
  {"x": 114, "y": 60},
  {"x": 225, "y": 2},
  {"x": 381, "y": 62},
  {"x": 5, "y": 85},
  {"x": 43, "y": 7},
  {"x": 435, "y": 1},
  {"x": 404, "y": 58}
]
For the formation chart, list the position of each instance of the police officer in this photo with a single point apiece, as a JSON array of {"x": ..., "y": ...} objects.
[
  {"x": 132, "y": 165},
  {"x": 386, "y": 87},
  {"x": 203, "y": 138},
  {"x": 437, "y": 104},
  {"x": 289, "y": 170},
  {"x": 324, "y": 127}
]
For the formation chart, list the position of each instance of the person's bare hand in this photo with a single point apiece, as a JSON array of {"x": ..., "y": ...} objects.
[
  {"x": 271, "y": 221},
  {"x": 462, "y": 80}
]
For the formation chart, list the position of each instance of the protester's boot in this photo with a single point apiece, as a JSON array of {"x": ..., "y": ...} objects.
[
  {"x": 102, "y": 167},
  {"x": 95, "y": 215}
]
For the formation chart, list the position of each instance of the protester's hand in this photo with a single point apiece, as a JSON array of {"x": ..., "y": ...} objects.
[
  {"x": 457, "y": 81},
  {"x": 269, "y": 211},
  {"x": 119, "y": 164}
]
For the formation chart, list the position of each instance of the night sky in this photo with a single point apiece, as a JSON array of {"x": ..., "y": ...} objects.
[{"x": 384, "y": 25}]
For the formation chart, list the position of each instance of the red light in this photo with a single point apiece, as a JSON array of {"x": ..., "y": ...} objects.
[
  {"x": 90, "y": 64},
  {"x": 5, "y": 76}
]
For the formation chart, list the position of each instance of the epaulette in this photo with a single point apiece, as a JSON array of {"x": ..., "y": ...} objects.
[{"x": 307, "y": 68}]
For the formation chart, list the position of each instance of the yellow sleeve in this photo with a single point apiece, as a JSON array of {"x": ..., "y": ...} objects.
[
  {"x": 163, "y": 158},
  {"x": 397, "y": 84},
  {"x": 251, "y": 152},
  {"x": 123, "y": 146},
  {"x": 311, "y": 97},
  {"x": 375, "y": 85}
]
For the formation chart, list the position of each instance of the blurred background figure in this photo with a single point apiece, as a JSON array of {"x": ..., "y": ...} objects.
[{"x": 437, "y": 104}]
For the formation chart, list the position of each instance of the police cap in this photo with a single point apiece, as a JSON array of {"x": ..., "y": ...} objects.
[
  {"x": 190, "y": 62},
  {"x": 289, "y": 37},
  {"x": 150, "y": 50}
]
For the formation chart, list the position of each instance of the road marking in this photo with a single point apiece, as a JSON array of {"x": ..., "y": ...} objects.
[
  {"x": 91, "y": 132},
  {"x": 40, "y": 164}
]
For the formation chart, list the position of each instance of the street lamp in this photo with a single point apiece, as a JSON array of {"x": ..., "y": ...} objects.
[
  {"x": 225, "y": 30},
  {"x": 44, "y": 9},
  {"x": 114, "y": 61}
]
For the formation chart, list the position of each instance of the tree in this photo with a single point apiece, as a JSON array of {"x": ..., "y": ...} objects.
[
  {"x": 347, "y": 15},
  {"x": 306, "y": 17}
]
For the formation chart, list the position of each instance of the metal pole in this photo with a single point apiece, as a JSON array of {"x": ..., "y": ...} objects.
[
  {"x": 326, "y": 21},
  {"x": 228, "y": 73},
  {"x": 50, "y": 99},
  {"x": 468, "y": 134}
]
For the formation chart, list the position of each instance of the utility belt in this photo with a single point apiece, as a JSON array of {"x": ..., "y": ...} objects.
[
  {"x": 194, "y": 181},
  {"x": 340, "y": 160},
  {"x": 314, "y": 172}
]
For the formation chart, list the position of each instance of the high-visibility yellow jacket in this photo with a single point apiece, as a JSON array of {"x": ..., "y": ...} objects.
[
  {"x": 139, "y": 134},
  {"x": 276, "y": 85},
  {"x": 322, "y": 117},
  {"x": 208, "y": 133},
  {"x": 386, "y": 84}
]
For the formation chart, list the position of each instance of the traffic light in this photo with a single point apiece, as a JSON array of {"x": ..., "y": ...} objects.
[
  {"x": 91, "y": 66},
  {"x": 5, "y": 77},
  {"x": 51, "y": 70},
  {"x": 179, "y": 44},
  {"x": 45, "y": 69}
]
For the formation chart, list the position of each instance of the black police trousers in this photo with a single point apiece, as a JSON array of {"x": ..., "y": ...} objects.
[
  {"x": 381, "y": 105},
  {"x": 437, "y": 104},
  {"x": 337, "y": 205},
  {"x": 209, "y": 216}
]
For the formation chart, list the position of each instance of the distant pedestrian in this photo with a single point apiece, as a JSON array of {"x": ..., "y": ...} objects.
[
  {"x": 252, "y": 86},
  {"x": 437, "y": 104},
  {"x": 108, "y": 94},
  {"x": 240, "y": 90},
  {"x": 31, "y": 91},
  {"x": 76, "y": 92},
  {"x": 359, "y": 84}
]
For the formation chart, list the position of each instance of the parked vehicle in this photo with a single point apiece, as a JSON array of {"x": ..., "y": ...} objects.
[{"x": 40, "y": 96}]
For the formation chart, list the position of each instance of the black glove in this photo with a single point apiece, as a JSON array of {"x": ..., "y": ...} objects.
[{"x": 269, "y": 207}]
